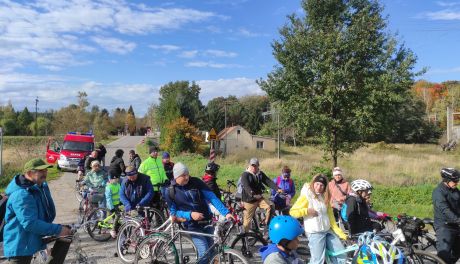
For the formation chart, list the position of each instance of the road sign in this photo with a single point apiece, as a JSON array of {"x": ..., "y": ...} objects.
[{"x": 212, "y": 134}]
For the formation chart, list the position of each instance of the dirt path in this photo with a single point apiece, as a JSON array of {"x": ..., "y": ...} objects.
[{"x": 66, "y": 204}]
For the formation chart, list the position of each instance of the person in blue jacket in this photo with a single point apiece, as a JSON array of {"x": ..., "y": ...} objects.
[
  {"x": 136, "y": 189},
  {"x": 188, "y": 198},
  {"x": 29, "y": 216},
  {"x": 284, "y": 232}
]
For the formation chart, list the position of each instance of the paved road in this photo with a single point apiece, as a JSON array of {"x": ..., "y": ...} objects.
[{"x": 66, "y": 204}]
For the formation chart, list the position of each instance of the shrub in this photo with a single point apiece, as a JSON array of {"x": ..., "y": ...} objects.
[{"x": 181, "y": 136}]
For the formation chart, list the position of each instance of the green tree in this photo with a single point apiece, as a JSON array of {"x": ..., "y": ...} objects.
[
  {"x": 253, "y": 107},
  {"x": 102, "y": 125},
  {"x": 43, "y": 126},
  {"x": 119, "y": 118},
  {"x": 341, "y": 76},
  {"x": 9, "y": 127},
  {"x": 179, "y": 99},
  {"x": 25, "y": 118},
  {"x": 181, "y": 136}
]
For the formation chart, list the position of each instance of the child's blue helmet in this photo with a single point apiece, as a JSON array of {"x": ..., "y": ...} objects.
[{"x": 284, "y": 227}]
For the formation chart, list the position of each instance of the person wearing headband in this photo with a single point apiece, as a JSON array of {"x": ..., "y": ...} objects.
[
  {"x": 286, "y": 184},
  {"x": 136, "y": 189},
  {"x": 339, "y": 188},
  {"x": 322, "y": 231}
]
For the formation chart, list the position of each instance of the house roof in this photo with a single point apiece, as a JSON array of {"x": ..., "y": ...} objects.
[{"x": 224, "y": 132}]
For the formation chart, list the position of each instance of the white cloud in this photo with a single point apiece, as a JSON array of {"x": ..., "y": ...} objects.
[
  {"x": 223, "y": 87},
  {"x": 447, "y": 4},
  {"x": 53, "y": 33},
  {"x": 165, "y": 48},
  {"x": 55, "y": 92},
  {"x": 446, "y": 14},
  {"x": 444, "y": 71},
  {"x": 189, "y": 54},
  {"x": 247, "y": 33},
  {"x": 220, "y": 53},
  {"x": 210, "y": 64},
  {"x": 115, "y": 45}
]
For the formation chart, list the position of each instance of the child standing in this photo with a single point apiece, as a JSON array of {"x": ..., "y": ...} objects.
[{"x": 112, "y": 196}]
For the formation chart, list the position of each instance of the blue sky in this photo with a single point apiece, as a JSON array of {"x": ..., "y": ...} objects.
[{"x": 122, "y": 52}]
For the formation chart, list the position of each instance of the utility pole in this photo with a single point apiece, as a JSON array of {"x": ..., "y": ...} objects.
[
  {"x": 36, "y": 120},
  {"x": 277, "y": 113}
]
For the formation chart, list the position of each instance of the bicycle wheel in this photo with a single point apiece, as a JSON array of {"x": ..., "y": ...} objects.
[
  {"x": 78, "y": 194},
  {"x": 249, "y": 244},
  {"x": 229, "y": 255},
  {"x": 419, "y": 256},
  {"x": 81, "y": 212},
  {"x": 100, "y": 222},
  {"x": 156, "y": 218},
  {"x": 128, "y": 238},
  {"x": 186, "y": 249},
  {"x": 156, "y": 248}
]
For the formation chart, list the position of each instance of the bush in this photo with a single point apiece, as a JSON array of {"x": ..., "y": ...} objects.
[
  {"x": 317, "y": 170},
  {"x": 181, "y": 136}
]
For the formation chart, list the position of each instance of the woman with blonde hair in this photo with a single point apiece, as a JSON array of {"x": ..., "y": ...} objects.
[{"x": 322, "y": 231}]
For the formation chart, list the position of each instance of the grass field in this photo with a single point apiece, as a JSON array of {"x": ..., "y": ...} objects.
[{"x": 403, "y": 175}]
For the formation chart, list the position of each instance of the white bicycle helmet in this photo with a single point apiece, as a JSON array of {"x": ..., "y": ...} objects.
[{"x": 360, "y": 185}]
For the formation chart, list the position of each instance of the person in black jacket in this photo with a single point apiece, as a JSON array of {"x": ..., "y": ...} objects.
[
  {"x": 92, "y": 157},
  {"x": 117, "y": 165},
  {"x": 357, "y": 209},
  {"x": 101, "y": 151},
  {"x": 446, "y": 206},
  {"x": 210, "y": 178},
  {"x": 253, "y": 181},
  {"x": 168, "y": 165}
]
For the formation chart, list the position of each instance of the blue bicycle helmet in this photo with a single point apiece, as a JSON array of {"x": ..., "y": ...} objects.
[{"x": 284, "y": 227}]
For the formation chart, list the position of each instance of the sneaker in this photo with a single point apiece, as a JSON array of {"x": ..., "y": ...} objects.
[{"x": 113, "y": 234}]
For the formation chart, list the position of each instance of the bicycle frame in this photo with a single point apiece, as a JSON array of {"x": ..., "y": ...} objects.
[
  {"x": 176, "y": 233},
  {"x": 329, "y": 253}
]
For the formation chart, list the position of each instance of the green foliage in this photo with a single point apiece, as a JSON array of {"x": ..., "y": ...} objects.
[
  {"x": 9, "y": 127},
  {"x": 320, "y": 170},
  {"x": 44, "y": 126},
  {"x": 340, "y": 76},
  {"x": 253, "y": 106},
  {"x": 102, "y": 126},
  {"x": 25, "y": 118}
]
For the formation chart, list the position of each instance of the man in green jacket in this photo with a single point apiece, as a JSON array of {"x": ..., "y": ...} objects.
[{"x": 153, "y": 167}]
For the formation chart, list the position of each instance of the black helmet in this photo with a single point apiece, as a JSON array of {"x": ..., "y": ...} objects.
[
  {"x": 450, "y": 174},
  {"x": 212, "y": 167}
]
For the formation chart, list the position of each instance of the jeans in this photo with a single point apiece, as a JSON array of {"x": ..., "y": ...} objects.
[
  {"x": 448, "y": 244},
  {"x": 203, "y": 243},
  {"x": 319, "y": 242}
]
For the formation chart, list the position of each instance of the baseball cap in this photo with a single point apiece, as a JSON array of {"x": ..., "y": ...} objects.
[
  {"x": 254, "y": 161},
  {"x": 130, "y": 171},
  {"x": 36, "y": 164}
]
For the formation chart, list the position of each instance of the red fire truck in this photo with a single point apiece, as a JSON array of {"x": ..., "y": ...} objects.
[{"x": 76, "y": 146}]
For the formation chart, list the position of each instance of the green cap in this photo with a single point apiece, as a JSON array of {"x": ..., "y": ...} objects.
[{"x": 36, "y": 164}]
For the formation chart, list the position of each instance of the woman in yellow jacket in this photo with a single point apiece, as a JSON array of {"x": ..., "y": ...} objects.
[{"x": 319, "y": 222}]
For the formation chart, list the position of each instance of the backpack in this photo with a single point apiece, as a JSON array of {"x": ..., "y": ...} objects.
[{"x": 3, "y": 200}]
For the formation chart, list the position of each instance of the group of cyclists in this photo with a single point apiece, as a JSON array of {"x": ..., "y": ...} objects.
[{"x": 320, "y": 205}]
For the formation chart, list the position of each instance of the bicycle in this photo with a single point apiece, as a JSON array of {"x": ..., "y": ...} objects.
[
  {"x": 80, "y": 257},
  {"x": 134, "y": 229},
  {"x": 162, "y": 248},
  {"x": 86, "y": 205},
  {"x": 100, "y": 222}
]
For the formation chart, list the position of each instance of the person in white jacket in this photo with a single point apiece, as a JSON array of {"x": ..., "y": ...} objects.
[{"x": 322, "y": 231}]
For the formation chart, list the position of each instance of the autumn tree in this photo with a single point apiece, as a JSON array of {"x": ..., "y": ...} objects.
[
  {"x": 131, "y": 120},
  {"x": 181, "y": 136}
]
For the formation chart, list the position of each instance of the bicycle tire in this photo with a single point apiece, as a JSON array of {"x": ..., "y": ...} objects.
[
  {"x": 94, "y": 228},
  {"x": 127, "y": 241},
  {"x": 419, "y": 256},
  {"x": 78, "y": 194},
  {"x": 229, "y": 255},
  {"x": 156, "y": 218},
  {"x": 160, "y": 250},
  {"x": 81, "y": 212},
  {"x": 249, "y": 244}
]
